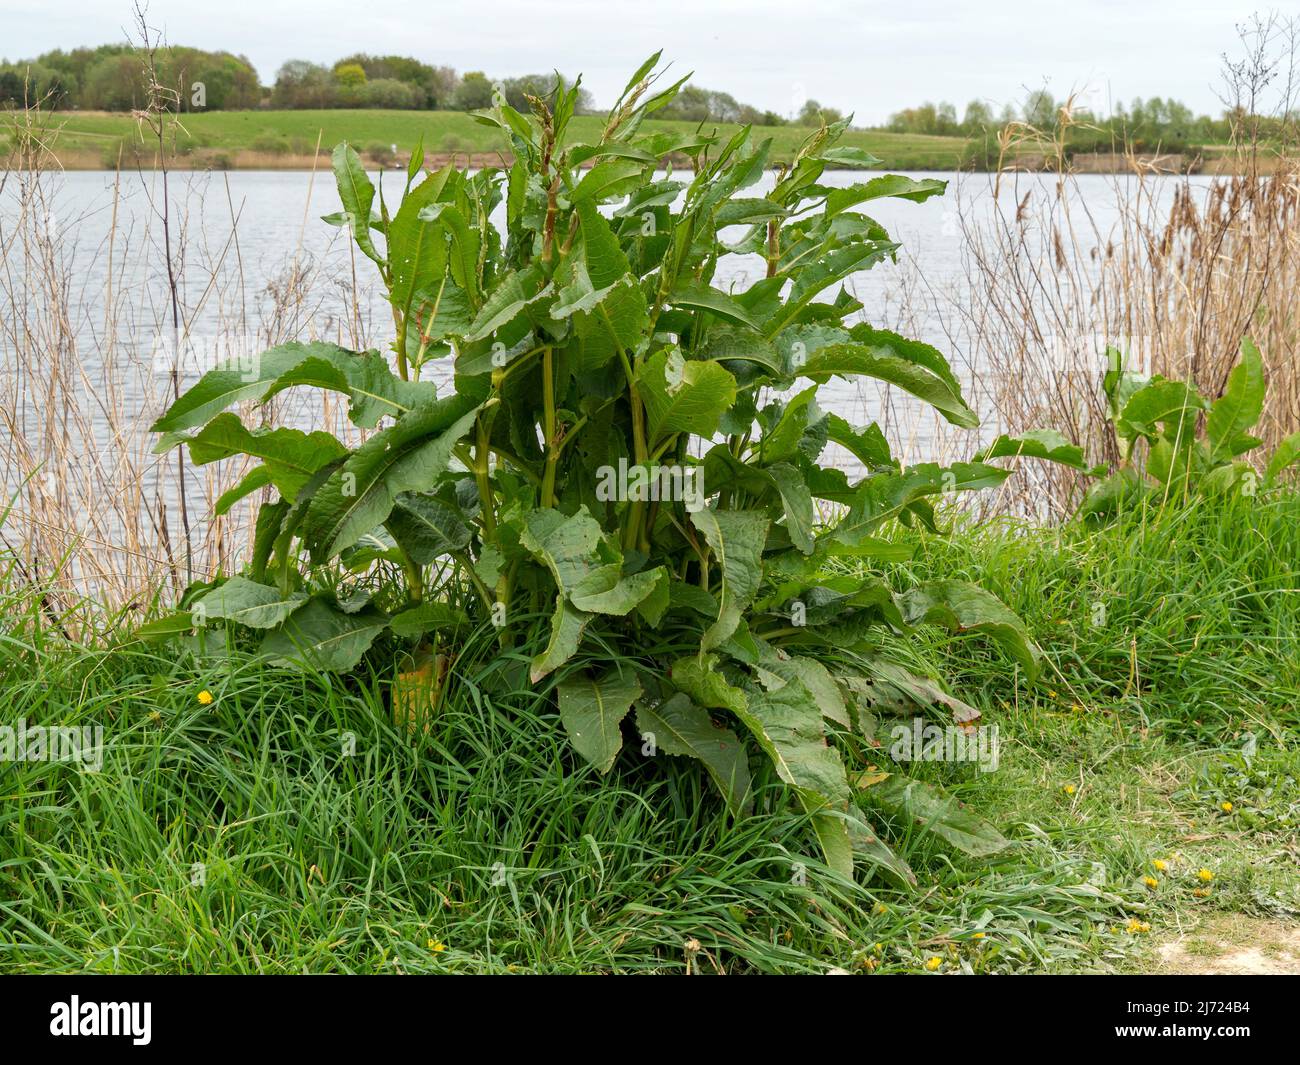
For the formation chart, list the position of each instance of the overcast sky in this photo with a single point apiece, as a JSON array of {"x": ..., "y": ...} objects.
[{"x": 867, "y": 56}]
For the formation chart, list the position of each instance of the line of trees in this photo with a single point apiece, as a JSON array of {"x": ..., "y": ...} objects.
[
  {"x": 1152, "y": 124},
  {"x": 112, "y": 78}
]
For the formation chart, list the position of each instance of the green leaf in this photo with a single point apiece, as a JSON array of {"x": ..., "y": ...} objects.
[
  {"x": 736, "y": 538},
  {"x": 374, "y": 390},
  {"x": 1240, "y": 406},
  {"x": 797, "y": 503},
  {"x": 1172, "y": 404},
  {"x": 508, "y": 301},
  {"x": 223, "y": 387},
  {"x": 776, "y": 669},
  {"x": 427, "y": 617},
  {"x": 567, "y": 626},
  {"x": 801, "y": 413},
  {"x": 164, "y": 628},
  {"x": 576, "y": 552},
  {"x": 941, "y": 814},
  {"x": 417, "y": 247},
  {"x": 629, "y": 592},
  {"x": 290, "y": 456},
  {"x": 247, "y": 603},
  {"x": 683, "y": 396},
  {"x": 885, "y": 360},
  {"x": 682, "y": 729},
  {"x": 867, "y": 444},
  {"x": 965, "y": 607},
  {"x": 918, "y": 190},
  {"x": 407, "y": 456},
  {"x": 788, "y": 726},
  {"x": 323, "y": 637},
  {"x": 886, "y": 495},
  {"x": 1037, "y": 444},
  {"x": 696, "y": 296},
  {"x": 257, "y": 477},
  {"x": 699, "y": 678},
  {"x": 357, "y": 195},
  {"x": 592, "y": 710},
  {"x": 1288, "y": 451},
  {"x": 426, "y": 527}
]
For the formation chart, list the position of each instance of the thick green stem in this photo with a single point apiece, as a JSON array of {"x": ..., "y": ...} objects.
[{"x": 549, "y": 427}]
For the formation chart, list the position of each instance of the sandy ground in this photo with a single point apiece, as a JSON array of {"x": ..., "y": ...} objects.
[{"x": 1233, "y": 945}]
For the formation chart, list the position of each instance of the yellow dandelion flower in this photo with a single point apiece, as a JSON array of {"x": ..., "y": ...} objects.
[
  {"x": 436, "y": 946},
  {"x": 1205, "y": 874},
  {"x": 1226, "y": 807},
  {"x": 880, "y": 908},
  {"x": 1069, "y": 789},
  {"x": 1133, "y": 927},
  {"x": 978, "y": 935},
  {"x": 205, "y": 697},
  {"x": 1151, "y": 882},
  {"x": 879, "y": 948},
  {"x": 932, "y": 964},
  {"x": 1159, "y": 864}
]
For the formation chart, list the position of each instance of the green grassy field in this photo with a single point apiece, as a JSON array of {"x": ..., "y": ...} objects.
[
  {"x": 297, "y": 132},
  {"x": 286, "y": 826}
]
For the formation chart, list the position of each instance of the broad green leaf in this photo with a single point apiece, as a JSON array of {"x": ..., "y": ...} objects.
[
  {"x": 247, "y": 603},
  {"x": 885, "y": 495},
  {"x": 699, "y": 678},
  {"x": 426, "y": 527},
  {"x": 882, "y": 361},
  {"x": 682, "y": 729},
  {"x": 324, "y": 637},
  {"x": 290, "y": 456},
  {"x": 567, "y": 626},
  {"x": 230, "y": 384},
  {"x": 629, "y": 592},
  {"x": 364, "y": 377},
  {"x": 357, "y": 195},
  {"x": 1288, "y": 451},
  {"x": 776, "y": 669},
  {"x": 941, "y": 814},
  {"x": 407, "y": 456},
  {"x": 965, "y": 607},
  {"x": 736, "y": 538},
  {"x": 696, "y": 296},
  {"x": 592, "y": 710},
  {"x": 797, "y": 503},
  {"x": 257, "y": 477},
  {"x": 508, "y": 301},
  {"x": 1118, "y": 492},
  {"x": 1036, "y": 444},
  {"x": 164, "y": 628},
  {"x": 867, "y": 444},
  {"x": 1171, "y": 404},
  {"x": 918, "y": 190},
  {"x": 782, "y": 441},
  {"x": 1240, "y": 406},
  {"x": 788, "y": 726},
  {"x": 683, "y": 396},
  {"x": 427, "y": 617}
]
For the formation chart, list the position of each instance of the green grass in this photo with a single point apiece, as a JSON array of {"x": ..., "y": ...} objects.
[
  {"x": 446, "y": 131},
  {"x": 487, "y": 837}
]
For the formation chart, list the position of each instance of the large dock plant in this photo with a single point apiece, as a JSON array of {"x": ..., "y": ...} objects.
[{"x": 624, "y": 474}]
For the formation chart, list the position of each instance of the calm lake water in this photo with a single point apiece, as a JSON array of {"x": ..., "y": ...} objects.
[{"x": 238, "y": 237}]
